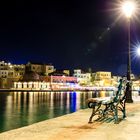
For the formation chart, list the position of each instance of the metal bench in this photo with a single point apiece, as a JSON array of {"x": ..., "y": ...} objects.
[{"x": 109, "y": 106}]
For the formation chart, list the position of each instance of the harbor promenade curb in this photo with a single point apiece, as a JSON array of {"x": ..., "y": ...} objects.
[{"x": 75, "y": 127}]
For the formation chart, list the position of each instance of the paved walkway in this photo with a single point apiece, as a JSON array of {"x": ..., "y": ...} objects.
[{"x": 75, "y": 127}]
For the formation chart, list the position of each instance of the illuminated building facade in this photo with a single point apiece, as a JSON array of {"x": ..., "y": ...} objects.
[
  {"x": 8, "y": 70},
  {"x": 102, "y": 78},
  {"x": 40, "y": 68},
  {"x": 56, "y": 81},
  {"x": 82, "y": 78},
  {"x": 9, "y": 73}
]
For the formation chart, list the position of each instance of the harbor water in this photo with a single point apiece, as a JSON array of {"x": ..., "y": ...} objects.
[{"x": 18, "y": 109}]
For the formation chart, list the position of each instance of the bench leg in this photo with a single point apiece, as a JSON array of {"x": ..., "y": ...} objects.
[
  {"x": 116, "y": 115},
  {"x": 124, "y": 110},
  {"x": 94, "y": 111},
  {"x": 92, "y": 114}
]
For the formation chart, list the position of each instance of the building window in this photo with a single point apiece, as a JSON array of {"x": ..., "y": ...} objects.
[{"x": 50, "y": 68}]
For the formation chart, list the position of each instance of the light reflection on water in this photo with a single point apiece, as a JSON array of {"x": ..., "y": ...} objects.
[{"x": 18, "y": 109}]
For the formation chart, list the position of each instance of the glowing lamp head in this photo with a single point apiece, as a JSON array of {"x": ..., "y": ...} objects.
[
  {"x": 128, "y": 8},
  {"x": 138, "y": 51}
]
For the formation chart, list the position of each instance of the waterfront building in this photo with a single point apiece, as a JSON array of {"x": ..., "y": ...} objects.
[
  {"x": 136, "y": 85},
  {"x": 61, "y": 82},
  {"x": 31, "y": 85},
  {"x": 19, "y": 71},
  {"x": 116, "y": 78},
  {"x": 8, "y": 70},
  {"x": 59, "y": 73},
  {"x": 132, "y": 76},
  {"x": 67, "y": 72},
  {"x": 40, "y": 68},
  {"x": 31, "y": 81},
  {"x": 56, "y": 81},
  {"x": 100, "y": 75},
  {"x": 10, "y": 73},
  {"x": 103, "y": 78},
  {"x": 83, "y": 78},
  {"x": 60, "y": 79}
]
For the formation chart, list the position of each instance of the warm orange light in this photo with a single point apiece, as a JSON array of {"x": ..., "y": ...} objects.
[{"x": 128, "y": 8}]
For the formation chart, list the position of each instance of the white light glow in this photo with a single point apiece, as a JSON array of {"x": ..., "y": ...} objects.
[
  {"x": 128, "y": 8},
  {"x": 138, "y": 51}
]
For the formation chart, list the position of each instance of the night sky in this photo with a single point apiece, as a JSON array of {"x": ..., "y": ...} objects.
[{"x": 67, "y": 33}]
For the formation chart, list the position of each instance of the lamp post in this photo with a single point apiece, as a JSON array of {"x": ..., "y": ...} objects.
[{"x": 128, "y": 8}]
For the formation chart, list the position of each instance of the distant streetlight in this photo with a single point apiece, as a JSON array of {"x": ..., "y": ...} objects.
[
  {"x": 128, "y": 8},
  {"x": 138, "y": 51}
]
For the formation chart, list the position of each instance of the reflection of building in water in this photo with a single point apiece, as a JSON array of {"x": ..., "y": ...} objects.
[
  {"x": 67, "y": 101},
  {"x": 62, "y": 100},
  {"x": 24, "y": 108},
  {"x": 78, "y": 101},
  {"x": 73, "y": 101},
  {"x": 51, "y": 105},
  {"x": 9, "y": 108},
  {"x": 102, "y": 94}
]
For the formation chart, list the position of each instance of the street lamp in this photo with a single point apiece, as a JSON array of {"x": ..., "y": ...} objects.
[
  {"x": 138, "y": 51},
  {"x": 128, "y": 8}
]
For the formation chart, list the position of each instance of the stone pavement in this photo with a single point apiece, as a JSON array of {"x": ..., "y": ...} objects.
[{"x": 75, "y": 127}]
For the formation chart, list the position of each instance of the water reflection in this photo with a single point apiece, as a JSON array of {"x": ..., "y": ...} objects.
[{"x": 18, "y": 109}]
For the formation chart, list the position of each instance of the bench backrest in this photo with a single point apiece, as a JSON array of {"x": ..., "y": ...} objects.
[{"x": 120, "y": 94}]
